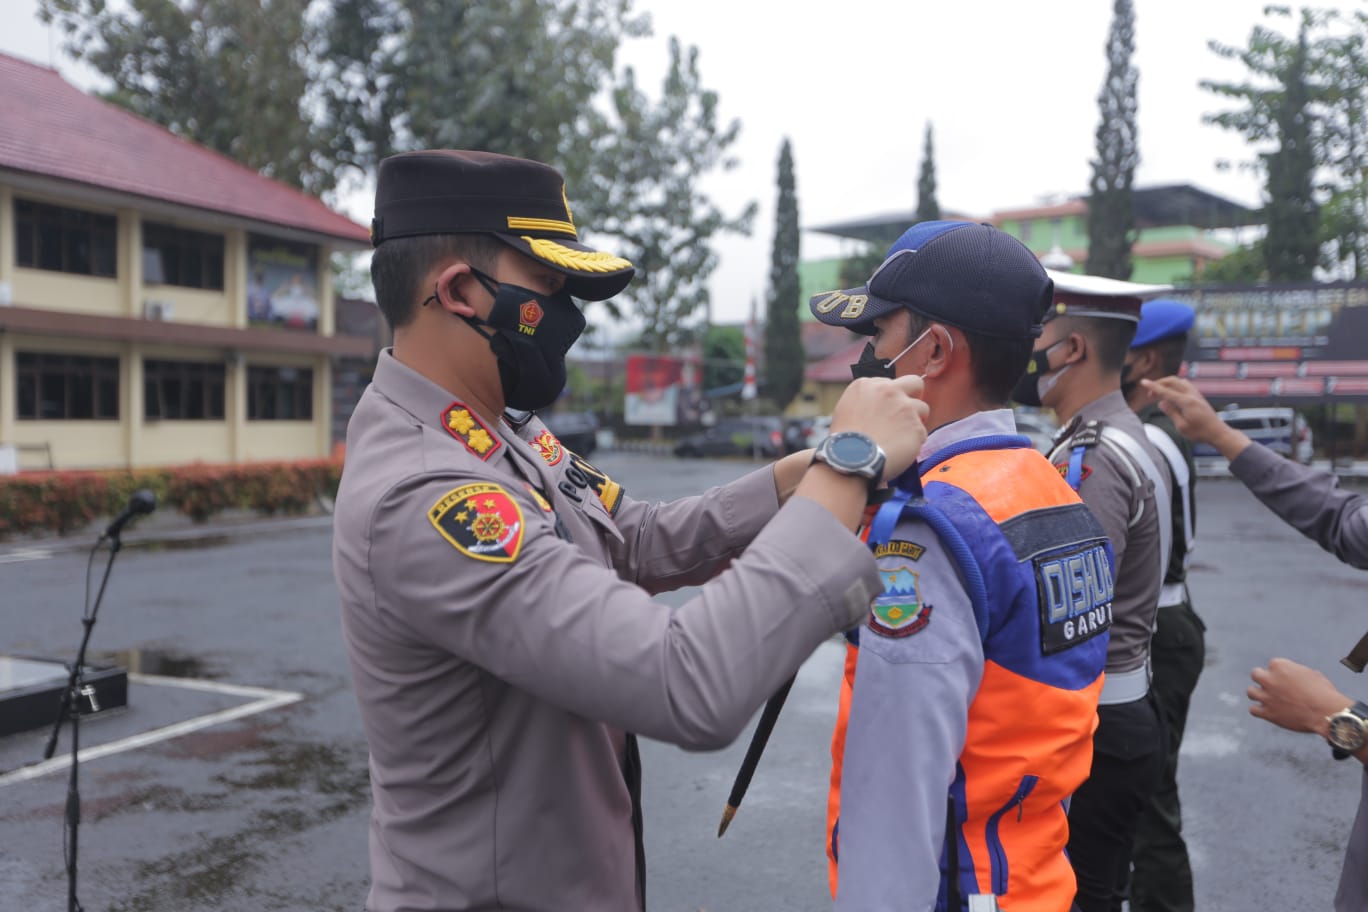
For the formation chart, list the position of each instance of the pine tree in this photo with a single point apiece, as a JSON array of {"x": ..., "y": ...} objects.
[
  {"x": 1292, "y": 245},
  {"x": 928, "y": 210},
  {"x": 784, "y": 360},
  {"x": 1111, "y": 219}
]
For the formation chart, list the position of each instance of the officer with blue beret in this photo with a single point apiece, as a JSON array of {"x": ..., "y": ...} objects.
[{"x": 1161, "y": 880}]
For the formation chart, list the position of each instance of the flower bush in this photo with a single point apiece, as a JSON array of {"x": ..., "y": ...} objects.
[{"x": 63, "y": 502}]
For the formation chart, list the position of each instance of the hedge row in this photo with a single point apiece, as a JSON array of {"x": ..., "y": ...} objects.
[{"x": 63, "y": 502}]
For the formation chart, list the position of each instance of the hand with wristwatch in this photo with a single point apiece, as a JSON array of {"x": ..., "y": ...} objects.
[{"x": 1298, "y": 698}]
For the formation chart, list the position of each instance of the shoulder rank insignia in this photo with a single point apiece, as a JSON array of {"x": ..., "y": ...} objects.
[
  {"x": 899, "y": 612},
  {"x": 480, "y": 521},
  {"x": 549, "y": 447},
  {"x": 1089, "y": 435},
  {"x": 584, "y": 475},
  {"x": 462, "y": 423}
]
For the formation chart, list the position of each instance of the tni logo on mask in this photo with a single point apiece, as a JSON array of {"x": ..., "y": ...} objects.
[{"x": 529, "y": 315}]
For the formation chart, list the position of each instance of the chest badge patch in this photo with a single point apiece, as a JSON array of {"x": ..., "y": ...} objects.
[
  {"x": 480, "y": 521},
  {"x": 549, "y": 447},
  {"x": 899, "y": 612},
  {"x": 466, "y": 426}
]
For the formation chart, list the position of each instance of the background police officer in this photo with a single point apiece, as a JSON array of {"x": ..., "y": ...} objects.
[
  {"x": 495, "y": 587},
  {"x": 1285, "y": 693},
  {"x": 1105, "y": 455},
  {"x": 1161, "y": 879}
]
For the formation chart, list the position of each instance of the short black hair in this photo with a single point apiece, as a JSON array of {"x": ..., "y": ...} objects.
[
  {"x": 399, "y": 265},
  {"x": 1110, "y": 338},
  {"x": 995, "y": 364}
]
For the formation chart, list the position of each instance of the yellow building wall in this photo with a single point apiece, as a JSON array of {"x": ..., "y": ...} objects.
[
  {"x": 69, "y": 293},
  {"x": 276, "y": 440},
  {"x": 189, "y": 305},
  {"x": 180, "y": 442},
  {"x": 74, "y": 444}
]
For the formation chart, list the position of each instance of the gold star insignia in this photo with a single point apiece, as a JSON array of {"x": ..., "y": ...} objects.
[
  {"x": 489, "y": 504},
  {"x": 479, "y": 440},
  {"x": 461, "y": 422},
  {"x": 462, "y": 516}
]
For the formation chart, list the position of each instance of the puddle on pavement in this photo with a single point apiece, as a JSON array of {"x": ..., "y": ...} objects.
[
  {"x": 156, "y": 662},
  {"x": 181, "y": 544}
]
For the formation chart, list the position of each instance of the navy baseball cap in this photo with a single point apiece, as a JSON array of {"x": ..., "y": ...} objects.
[
  {"x": 1162, "y": 319},
  {"x": 974, "y": 277}
]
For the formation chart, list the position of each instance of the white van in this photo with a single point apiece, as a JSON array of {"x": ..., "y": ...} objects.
[{"x": 1282, "y": 430}]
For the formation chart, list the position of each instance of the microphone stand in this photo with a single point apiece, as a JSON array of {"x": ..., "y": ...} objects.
[{"x": 70, "y": 707}]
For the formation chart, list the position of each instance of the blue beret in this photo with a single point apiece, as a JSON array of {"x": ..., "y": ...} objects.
[{"x": 1162, "y": 319}]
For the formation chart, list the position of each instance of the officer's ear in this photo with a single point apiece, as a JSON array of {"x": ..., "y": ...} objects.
[
  {"x": 455, "y": 289},
  {"x": 1076, "y": 348},
  {"x": 941, "y": 350}
]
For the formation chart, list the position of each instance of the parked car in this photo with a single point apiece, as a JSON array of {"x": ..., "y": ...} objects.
[
  {"x": 1038, "y": 427},
  {"x": 821, "y": 429},
  {"x": 796, "y": 431},
  {"x": 762, "y": 436},
  {"x": 577, "y": 431},
  {"x": 1282, "y": 430}
]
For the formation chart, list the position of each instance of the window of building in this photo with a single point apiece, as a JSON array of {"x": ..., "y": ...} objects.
[
  {"x": 179, "y": 256},
  {"x": 64, "y": 240},
  {"x": 66, "y": 387},
  {"x": 279, "y": 394},
  {"x": 182, "y": 390}
]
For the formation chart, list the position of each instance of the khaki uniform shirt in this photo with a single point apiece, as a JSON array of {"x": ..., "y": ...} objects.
[
  {"x": 1110, "y": 490},
  {"x": 502, "y": 641}
]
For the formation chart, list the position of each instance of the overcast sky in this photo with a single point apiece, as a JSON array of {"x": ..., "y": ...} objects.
[{"x": 1010, "y": 88}]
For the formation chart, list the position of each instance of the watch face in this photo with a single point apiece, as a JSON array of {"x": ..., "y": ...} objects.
[
  {"x": 853, "y": 450},
  {"x": 1346, "y": 731}
]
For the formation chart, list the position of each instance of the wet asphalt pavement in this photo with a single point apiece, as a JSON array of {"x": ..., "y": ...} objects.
[{"x": 268, "y": 810}]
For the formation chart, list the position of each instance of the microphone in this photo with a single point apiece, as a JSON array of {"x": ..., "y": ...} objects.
[{"x": 142, "y": 502}]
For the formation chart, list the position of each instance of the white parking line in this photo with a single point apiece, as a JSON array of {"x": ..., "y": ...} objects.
[
  {"x": 20, "y": 555},
  {"x": 265, "y": 700}
]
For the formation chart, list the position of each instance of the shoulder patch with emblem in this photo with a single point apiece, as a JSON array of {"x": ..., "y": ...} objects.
[
  {"x": 480, "y": 521},
  {"x": 548, "y": 447},
  {"x": 1075, "y": 591},
  {"x": 586, "y": 476},
  {"x": 899, "y": 611},
  {"x": 462, "y": 423}
]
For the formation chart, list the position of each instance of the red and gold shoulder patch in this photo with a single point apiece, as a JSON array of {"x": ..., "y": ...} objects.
[
  {"x": 462, "y": 423},
  {"x": 549, "y": 447},
  {"x": 1063, "y": 469},
  {"x": 609, "y": 492},
  {"x": 480, "y": 521}
]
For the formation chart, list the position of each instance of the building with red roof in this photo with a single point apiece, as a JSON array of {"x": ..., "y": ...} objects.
[{"x": 159, "y": 302}]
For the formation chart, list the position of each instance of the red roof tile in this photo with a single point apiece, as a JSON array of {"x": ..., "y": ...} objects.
[
  {"x": 836, "y": 369},
  {"x": 49, "y": 127}
]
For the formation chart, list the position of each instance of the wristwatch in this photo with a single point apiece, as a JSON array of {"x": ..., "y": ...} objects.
[
  {"x": 1348, "y": 730},
  {"x": 852, "y": 453}
]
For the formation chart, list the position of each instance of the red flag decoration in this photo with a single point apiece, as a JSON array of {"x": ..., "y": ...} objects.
[{"x": 748, "y": 382}]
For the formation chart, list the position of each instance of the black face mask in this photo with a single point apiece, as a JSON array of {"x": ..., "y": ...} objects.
[
  {"x": 532, "y": 333},
  {"x": 870, "y": 366},
  {"x": 1027, "y": 389}
]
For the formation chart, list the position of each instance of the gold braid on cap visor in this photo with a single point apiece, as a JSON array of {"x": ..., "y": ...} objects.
[{"x": 578, "y": 260}]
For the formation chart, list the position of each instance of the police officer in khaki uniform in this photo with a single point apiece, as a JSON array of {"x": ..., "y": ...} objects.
[
  {"x": 1104, "y": 454},
  {"x": 1286, "y": 693},
  {"x": 496, "y": 588}
]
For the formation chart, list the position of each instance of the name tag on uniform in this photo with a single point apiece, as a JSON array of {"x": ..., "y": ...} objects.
[{"x": 1075, "y": 590}]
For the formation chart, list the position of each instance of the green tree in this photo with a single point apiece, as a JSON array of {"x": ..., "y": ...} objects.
[
  {"x": 518, "y": 77},
  {"x": 724, "y": 356},
  {"x": 1287, "y": 104},
  {"x": 1111, "y": 219},
  {"x": 928, "y": 210},
  {"x": 1243, "y": 266},
  {"x": 232, "y": 75},
  {"x": 655, "y": 208},
  {"x": 1344, "y": 142},
  {"x": 784, "y": 359}
]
